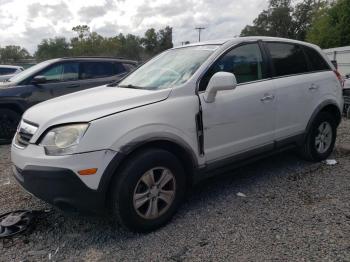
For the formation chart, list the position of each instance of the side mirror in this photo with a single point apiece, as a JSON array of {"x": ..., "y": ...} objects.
[
  {"x": 218, "y": 82},
  {"x": 37, "y": 80}
]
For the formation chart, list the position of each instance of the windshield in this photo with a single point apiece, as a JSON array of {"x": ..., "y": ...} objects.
[
  {"x": 170, "y": 69},
  {"x": 28, "y": 72}
]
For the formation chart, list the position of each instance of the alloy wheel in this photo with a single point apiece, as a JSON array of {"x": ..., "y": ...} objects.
[{"x": 154, "y": 193}]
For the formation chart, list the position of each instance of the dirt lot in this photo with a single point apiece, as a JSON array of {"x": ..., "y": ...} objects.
[{"x": 293, "y": 211}]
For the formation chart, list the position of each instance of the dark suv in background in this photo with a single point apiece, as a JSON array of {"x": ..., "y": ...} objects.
[{"x": 54, "y": 78}]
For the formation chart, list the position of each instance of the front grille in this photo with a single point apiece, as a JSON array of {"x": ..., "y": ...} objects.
[{"x": 24, "y": 134}]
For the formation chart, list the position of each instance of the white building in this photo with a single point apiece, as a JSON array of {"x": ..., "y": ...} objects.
[{"x": 342, "y": 56}]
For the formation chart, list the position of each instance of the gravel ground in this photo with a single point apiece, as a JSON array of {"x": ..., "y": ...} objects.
[{"x": 293, "y": 211}]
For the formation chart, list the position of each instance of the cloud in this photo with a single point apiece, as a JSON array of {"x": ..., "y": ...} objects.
[
  {"x": 56, "y": 13},
  {"x": 89, "y": 13},
  {"x": 26, "y": 23}
]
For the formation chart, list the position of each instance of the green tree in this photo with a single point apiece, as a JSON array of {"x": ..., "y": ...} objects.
[
  {"x": 282, "y": 19},
  {"x": 88, "y": 43},
  {"x": 165, "y": 39},
  {"x": 82, "y": 31},
  {"x": 156, "y": 42},
  {"x": 331, "y": 25},
  {"x": 52, "y": 48},
  {"x": 150, "y": 41},
  {"x": 130, "y": 46},
  {"x": 13, "y": 53}
]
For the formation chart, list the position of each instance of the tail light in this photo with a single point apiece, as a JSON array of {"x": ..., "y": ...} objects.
[{"x": 340, "y": 78}]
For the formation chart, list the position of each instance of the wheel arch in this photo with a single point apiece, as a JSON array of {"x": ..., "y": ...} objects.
[
  {"x": 12, "y": 106},
  {"x": 185, "y": 155},
  {"x": 329, "y": 106}
]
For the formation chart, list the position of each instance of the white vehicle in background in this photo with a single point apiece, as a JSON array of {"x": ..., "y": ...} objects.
[
  {"x": 347, "y": 81},
  {"x": 8, "y": 71},
  {"x": 134, "y": 148}
]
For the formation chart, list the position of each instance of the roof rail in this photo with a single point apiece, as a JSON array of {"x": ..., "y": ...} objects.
[{"x": 110, "y": 57}]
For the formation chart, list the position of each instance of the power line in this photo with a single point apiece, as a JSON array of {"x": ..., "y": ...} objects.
[{"x": 199, "y": 32}]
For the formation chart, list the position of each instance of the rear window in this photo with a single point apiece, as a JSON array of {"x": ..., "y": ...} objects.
[
  {"x": 96, "y": 70},
  {"x": 7, "y": 71},
  {"x": 317, "y": 62},
  {"x": 287, "y": 59}
]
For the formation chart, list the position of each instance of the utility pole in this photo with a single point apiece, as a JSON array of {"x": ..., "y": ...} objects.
[{"x": 199, "y": 32}]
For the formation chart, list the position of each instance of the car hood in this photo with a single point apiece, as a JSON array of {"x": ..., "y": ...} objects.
[
  {"x": 5, "y": 84},
  {"x": 91, "y": 104}
]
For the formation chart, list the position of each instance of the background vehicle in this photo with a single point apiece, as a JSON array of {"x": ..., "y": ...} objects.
[
  {"x": 187, "y": 114},
  {"x": 347, "y": 81},
  {"x": 346, "y": 94},
  {"x": 54, "y": 78},
  {"x": 8, "y": 71}
]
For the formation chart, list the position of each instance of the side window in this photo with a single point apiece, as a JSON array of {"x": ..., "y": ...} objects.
[
  {"x": 316, "y": 60},
  {"x": 96, "y": 70},
  {"x": 129, "y": 67},
  {"x": 119, "y": 68},
  {"x": 287, "y": 59},
  {"x": 245, "y": 62},
  {"x": 62, "y": 72}
]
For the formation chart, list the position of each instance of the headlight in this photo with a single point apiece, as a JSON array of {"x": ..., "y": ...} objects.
[{"x": 64, "y": 139}]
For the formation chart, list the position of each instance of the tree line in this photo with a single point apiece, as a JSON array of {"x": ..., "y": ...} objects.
[
  {"x": 87, "y": 43},
  {"x": 324, "y": 23}
]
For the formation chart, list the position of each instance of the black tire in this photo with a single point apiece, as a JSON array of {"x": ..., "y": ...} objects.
[
  {"x": 126, "y": 181},
  {"x": 9, "y": 121},
  {"x": 309, "y": 150}
]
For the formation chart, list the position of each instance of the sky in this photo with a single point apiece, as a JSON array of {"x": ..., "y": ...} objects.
[{"x": 27, "y": 22}]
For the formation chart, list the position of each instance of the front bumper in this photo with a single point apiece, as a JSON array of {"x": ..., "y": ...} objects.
[
  {"x": 55, "y": 179},
  {"x": 60, "y": 187}
]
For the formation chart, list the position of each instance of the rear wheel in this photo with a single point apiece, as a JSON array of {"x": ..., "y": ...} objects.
[
  {"x": 320, "y": 140},
  {"x": 9, "y": 120},
  {"x": 148, "y": 190}
]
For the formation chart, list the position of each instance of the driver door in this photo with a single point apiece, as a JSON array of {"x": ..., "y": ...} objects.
[
  {"x": 242, "y": 119},
  {"x": 61, "y": 78}
]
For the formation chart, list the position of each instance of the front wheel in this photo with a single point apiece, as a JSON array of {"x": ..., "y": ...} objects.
[
  {"x": 148, "y": 190},
  {"x": 320, "y": 140},
  {"x": 9, "y": 120}
]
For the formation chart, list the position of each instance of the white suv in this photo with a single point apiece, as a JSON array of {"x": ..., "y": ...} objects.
[{"x": 135, "y": 147}]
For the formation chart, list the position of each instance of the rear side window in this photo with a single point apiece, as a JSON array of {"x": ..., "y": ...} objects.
[
  {"x": 91, "y": 70},
  {"x": 119, "y": 68},
  {"x": 287, "y": 59},
  {"x": 129, "y": 67},
  {"x": 7, "y": 71},
  {"x": 317, "y": 62},
  {"x": 244, "y": 61}
]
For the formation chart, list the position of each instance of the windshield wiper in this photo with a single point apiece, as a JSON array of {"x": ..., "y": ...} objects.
[{"x": 131, "y": 86}]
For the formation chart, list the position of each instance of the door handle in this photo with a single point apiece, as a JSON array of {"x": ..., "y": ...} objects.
[
  {"x": 267, "y": 98},
  {"x": 314, "y": 87}
]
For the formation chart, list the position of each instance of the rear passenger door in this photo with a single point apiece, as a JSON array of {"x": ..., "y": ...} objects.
[
  {"x": 297, "y": 88},
  {"x": 97, "y": 73}
]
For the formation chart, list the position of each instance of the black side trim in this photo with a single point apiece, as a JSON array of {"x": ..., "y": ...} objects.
[
  {"x": 318, "y": 109},
  {"x": 128, "y": 148},
  {"x": 200, "y": 132},
  {"x": 230, "y": 163}
]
